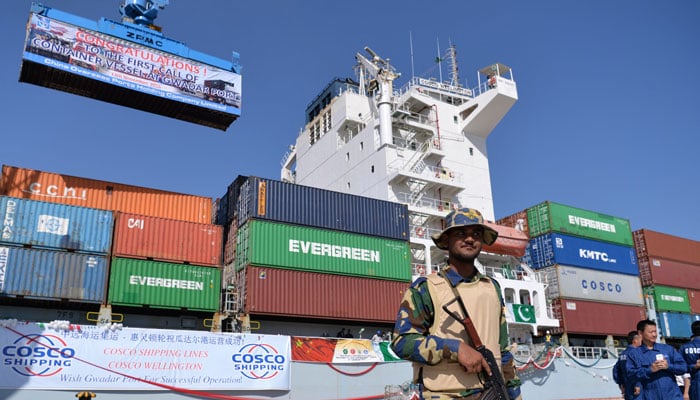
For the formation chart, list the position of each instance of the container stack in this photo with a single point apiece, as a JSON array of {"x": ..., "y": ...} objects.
[
  {"x": 304, "y": 252},
  {"x": 668, "y": 267},
  {"x": 588, "y": 262},
  {"x": 162, "y": 249}
]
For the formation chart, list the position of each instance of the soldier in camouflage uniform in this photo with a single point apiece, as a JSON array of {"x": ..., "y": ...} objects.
[{"x": 445, "y": 365}]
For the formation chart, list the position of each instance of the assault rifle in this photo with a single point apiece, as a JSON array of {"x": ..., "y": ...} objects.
[{"x": 494, "y": 385}]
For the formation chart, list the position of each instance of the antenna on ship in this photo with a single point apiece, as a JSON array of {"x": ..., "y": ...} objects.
[{"x": 451, "y": 58}]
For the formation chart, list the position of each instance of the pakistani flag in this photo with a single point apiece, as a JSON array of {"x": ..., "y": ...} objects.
[{"x": 524, "y": 313}]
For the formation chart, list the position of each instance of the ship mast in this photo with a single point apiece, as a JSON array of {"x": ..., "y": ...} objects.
[{"x": 383, "y": 75}]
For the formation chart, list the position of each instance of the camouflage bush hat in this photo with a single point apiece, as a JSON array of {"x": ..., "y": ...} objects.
[{"x": 460, "y": 218}]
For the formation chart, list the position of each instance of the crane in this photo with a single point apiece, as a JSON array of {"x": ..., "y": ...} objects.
[{"x": 384, "y": 74}]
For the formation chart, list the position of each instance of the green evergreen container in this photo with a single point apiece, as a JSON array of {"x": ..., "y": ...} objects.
[
  {"x": 163, "y": 285},
  {"x": 553, "y": 217},
  {"x": 298, "y": 247},
  {"x": 668, "y": 298}
]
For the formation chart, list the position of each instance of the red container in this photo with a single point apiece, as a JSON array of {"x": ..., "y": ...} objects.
[
  {"x": 650, "y": 243},
  {"x": 660, "y": 271},
  {"x": 58, "y": 188},
  {"x": 510, "y": 241},
  {"x": 289, "y": 293},
  {"x": 694, "y": 299},
  {"x": 594, "y": 318},
  {"x": 139, "y": 236},
  {"x": 519, "y": 220}
]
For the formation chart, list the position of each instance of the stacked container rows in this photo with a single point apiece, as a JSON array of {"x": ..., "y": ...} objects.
[
  {"x": 294, "y": 250},
  {"x": 588, "y": 265},
  {"x": 668, "y": 268},
  {"x": 84, "y": 240}
]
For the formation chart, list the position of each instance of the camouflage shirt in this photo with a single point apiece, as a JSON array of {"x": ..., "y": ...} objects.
[{"x": 416, "y": 315}]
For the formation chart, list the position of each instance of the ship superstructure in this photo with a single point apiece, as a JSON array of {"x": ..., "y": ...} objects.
[{"x": 422, "y": 144}]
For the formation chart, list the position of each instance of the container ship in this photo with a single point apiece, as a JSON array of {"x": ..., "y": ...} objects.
[{"x": 288, "y": 288}]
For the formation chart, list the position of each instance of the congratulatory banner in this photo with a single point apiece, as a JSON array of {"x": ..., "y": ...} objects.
[
  {"x": 104, "y": 58},
  {"x": 34, "y": 357}
]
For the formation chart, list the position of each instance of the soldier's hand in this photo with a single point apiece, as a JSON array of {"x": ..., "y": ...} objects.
[{"x": 472, "y": 361}]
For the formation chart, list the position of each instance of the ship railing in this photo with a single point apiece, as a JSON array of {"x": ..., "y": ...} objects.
[
  {"x": 429, "y": 203},
  {"x": 525, "y": 351},
  {"x": 422, "y": 232},
  {"x": 432, "y": 84}
]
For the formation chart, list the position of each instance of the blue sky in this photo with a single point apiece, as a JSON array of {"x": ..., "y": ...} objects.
[{"x": 607, "y": 117}]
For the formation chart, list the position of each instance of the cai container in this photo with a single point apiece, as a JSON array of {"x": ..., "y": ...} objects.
[
  {"x": 52, "y": 274},
  {"x": 135, "y": 282},
  {"x": 557, "y": 248},
  {"x": 53, "y": 225},
  {"x": 168, "y": 240},
  {"x": 596, "y": 318},
  {"x": 290, "y": 203},
  {"x": 592, "y": 285},
  {"x": 549, "y": 217},
  {"x": 301, "y": 294},
  {"x": 84, "y": 192},
  {"x": 299, "y": 247}
]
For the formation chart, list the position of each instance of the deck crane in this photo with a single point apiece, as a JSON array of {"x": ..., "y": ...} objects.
[{"x": 383, "y": 74}]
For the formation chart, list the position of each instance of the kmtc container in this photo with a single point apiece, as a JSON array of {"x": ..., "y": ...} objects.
[
  {"x": 593, "y": 318},
  {"x": 52, "y": 225},
  {"x": 650, "y": 243},
  {"x": 675, "y": 325},
  {"x": 553, "y": 217},
  {"x": 167, "y": 240},
  {"x": 134, "y": 282},
  {"x": 274, "y": 291},
  {"x": 52, "y": 274},
  {"x": 587, "y": 284},
  {"x": 556, "y": 248},
  {"x": 660, "y": 271},
  {"x": 303, "y": 205},
  {"x": 299, "y": 247},
  {"x": 84, "y": 192},
  {"x": 669, "y": 298}
]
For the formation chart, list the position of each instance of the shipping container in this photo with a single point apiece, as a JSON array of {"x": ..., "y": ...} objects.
[
  {"x": 229, "y": 246},
  {"x": 52, "y": 274},
  {"x": 553, "y": 217},
  {"x": 134, "y": 282},
  {"x": 297, "y": 247},
  {"x": 227, "y": 207},
  {"x": 53, "y": 225},
  {"x": 669, "y": 298},
  {"x": 660, "y": 271},
  {"x": 557, "y": 248},
  {"x": 84, "y": 192},
  {"x": 694, "y": 300},
  {"x": 299, "y": 294},
  {"x": 304, "y": 205},
  {"x": 586, "y": 284},
  {"x": 675, "y": 325},
  {"x": 510, "y": 241},
  {"x": 168, "y": 240},
  {"x": 595, "y": 318},
  {"x": 655, "y": 244}
]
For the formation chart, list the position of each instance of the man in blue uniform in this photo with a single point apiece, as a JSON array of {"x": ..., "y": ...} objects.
[
  {"x": 629, "y": 389},
  {"x": 655, "y": 365},
  {"x": 691, "y": 354}
]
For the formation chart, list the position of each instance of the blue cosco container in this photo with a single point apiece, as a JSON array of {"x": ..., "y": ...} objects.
[
  {"x": 557, "y": 248},
  {"x": 55, "y": 225},
  {"x": 52, "y": 274},
  {"x": 304, "y": 205}
]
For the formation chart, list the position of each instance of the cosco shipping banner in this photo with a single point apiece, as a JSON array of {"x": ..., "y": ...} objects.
[
  {"x": 104, "y": 58},
  {"x": 34, "y": 357}
]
